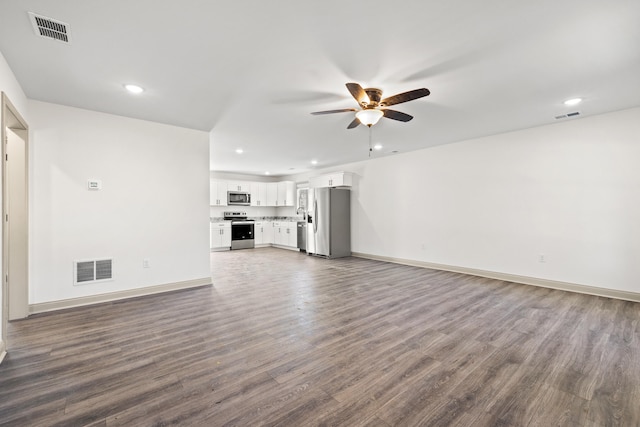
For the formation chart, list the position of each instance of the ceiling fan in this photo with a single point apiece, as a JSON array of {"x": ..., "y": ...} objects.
[{"x": 373, "y": 107}]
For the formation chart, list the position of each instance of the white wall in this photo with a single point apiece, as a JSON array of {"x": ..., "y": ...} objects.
[
  {"x": 154, "y": 202},
  {"x": 9, "y": 85},
  {"x": 570, "y": 191}
]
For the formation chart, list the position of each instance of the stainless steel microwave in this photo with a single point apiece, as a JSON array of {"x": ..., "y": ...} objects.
[{"x": 238, "y": 198}]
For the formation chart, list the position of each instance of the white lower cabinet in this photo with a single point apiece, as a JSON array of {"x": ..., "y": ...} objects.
[
  {"x": 263, "y": 232},
  {"x": 220, "y": 235},
  {"x": 285, "y": 234},
  {"x": 279, "y": 233},
  {"x": 282, "y": 233},
  {"x": 293, "y": 234}
]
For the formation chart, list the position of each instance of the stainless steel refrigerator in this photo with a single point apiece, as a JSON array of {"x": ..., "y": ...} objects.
[{"x": 329, "y": 222}]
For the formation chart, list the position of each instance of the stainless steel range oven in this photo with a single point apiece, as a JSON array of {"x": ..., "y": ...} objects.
[{"x": 242, "y": 230}]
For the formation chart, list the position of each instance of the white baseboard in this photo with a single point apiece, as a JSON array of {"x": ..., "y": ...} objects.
[
  {"x": 261, "y": 245},
  {"x": 114, "y": 296},
  {"x": 525, "y": 280},
  {"x": 289, "y": 248}
]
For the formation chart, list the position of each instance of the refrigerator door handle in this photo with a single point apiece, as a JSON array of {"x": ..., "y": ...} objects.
[{"x": 315, "y": 216}]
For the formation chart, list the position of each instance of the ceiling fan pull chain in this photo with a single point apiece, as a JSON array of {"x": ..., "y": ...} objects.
[{"x": 370, "y": 149}]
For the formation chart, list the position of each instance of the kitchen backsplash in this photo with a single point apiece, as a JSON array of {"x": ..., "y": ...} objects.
[
  {"x": 284, "y": 213},
  {"x": 264, "y": 218}
]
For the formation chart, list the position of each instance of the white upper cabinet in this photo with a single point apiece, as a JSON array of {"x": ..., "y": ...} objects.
[
  {"x": 334, "y": 179},
  {"x": 217, "y": 192},
  {"x": 286, "y": 193},
  {"x": 262, "y": 193},
  {"x": 244, "y": 186},
  {"x": 272, "y": 193},
  {"x": 259, "y": 194}
]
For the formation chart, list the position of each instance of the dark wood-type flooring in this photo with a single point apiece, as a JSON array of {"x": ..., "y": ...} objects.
[{"x": 286, "y": 339}]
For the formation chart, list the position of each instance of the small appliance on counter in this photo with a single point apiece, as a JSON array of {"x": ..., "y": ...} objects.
[{"x": 242, "y": 230}]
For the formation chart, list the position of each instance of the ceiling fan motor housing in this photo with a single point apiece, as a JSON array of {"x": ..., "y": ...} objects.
[{"x": 375, "y": 95}]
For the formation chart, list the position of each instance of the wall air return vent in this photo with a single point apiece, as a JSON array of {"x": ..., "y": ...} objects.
[
  {"x": 92, "y": 271},
  {"x": 50, "y": 28}
]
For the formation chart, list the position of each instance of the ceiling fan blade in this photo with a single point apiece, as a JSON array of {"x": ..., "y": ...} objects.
[
  {"x": 354, "y": 124},
  {"x": 397, "y": 115},
  {"x": 344, "y": 110},
  {"x": 358, "y": 93},
  {"x": 405, "y": 96}
]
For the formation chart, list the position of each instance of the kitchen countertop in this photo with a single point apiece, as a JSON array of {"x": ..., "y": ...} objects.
[{"x": 263, "y": 218}]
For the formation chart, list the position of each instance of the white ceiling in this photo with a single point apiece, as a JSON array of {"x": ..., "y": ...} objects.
[{"x": 251, "y": 71}]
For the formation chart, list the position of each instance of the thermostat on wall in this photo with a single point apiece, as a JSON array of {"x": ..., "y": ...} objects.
[{"x": 94, "y": 184}]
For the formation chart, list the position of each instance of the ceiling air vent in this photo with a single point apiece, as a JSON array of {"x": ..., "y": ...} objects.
[
  {"x": 92, "y": 271},
  {"x": 50, "y": 28},
  {"x": 564, "y": 116}
]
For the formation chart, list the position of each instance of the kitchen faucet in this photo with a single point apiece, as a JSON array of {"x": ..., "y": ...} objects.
[{"x": 304, "y": 212}]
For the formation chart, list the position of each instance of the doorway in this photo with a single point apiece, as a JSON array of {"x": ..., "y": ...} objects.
[{"x": 15, "y": 216}]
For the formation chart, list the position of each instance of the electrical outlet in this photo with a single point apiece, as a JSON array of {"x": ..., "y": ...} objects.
[
  {"x": 542, "y": 258},
  {"x": 146, "y": 263}
]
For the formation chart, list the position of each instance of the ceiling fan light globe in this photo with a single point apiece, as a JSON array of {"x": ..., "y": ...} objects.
[{"x": 369, "y": 117}]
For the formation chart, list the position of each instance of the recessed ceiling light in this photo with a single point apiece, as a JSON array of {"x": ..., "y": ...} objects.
[
  {"x": 314, "y": 162},
  {"x": 573, "y": 101},
  {"x": 239, "y": 150},
  {"x": 377, "y": 147},
  {"x": 267, "y": 173},
  {"x": 133, "y": 88}
]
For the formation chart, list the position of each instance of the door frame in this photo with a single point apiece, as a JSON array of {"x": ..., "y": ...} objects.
[{"x": 13, "y": 120}]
